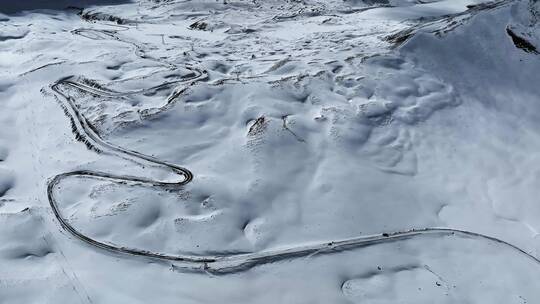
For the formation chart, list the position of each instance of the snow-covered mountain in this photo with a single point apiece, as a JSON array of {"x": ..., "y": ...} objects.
[{"x": 269, "y": 151}]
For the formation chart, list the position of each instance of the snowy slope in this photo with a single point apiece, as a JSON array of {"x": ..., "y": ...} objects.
[{"x": 269, "y": 152}]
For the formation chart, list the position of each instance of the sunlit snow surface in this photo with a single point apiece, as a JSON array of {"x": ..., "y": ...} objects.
[{"x": 303, "y": 122}]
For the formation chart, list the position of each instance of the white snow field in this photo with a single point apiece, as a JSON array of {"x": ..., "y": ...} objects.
[{"x": 203, "y": 151}]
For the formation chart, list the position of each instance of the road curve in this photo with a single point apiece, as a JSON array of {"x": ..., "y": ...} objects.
[{"x": 220, "y": 263}]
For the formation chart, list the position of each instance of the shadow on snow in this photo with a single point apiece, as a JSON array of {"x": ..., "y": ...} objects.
[{"x": 15, "y": 7}]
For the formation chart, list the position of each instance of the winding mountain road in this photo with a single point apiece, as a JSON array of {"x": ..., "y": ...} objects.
[
  {"x": 217, "y": 263},
  {"x": 220, "y": 263}
]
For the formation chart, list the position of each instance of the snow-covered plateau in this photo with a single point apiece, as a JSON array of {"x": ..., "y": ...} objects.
[{"x": 270, "y": 151}]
